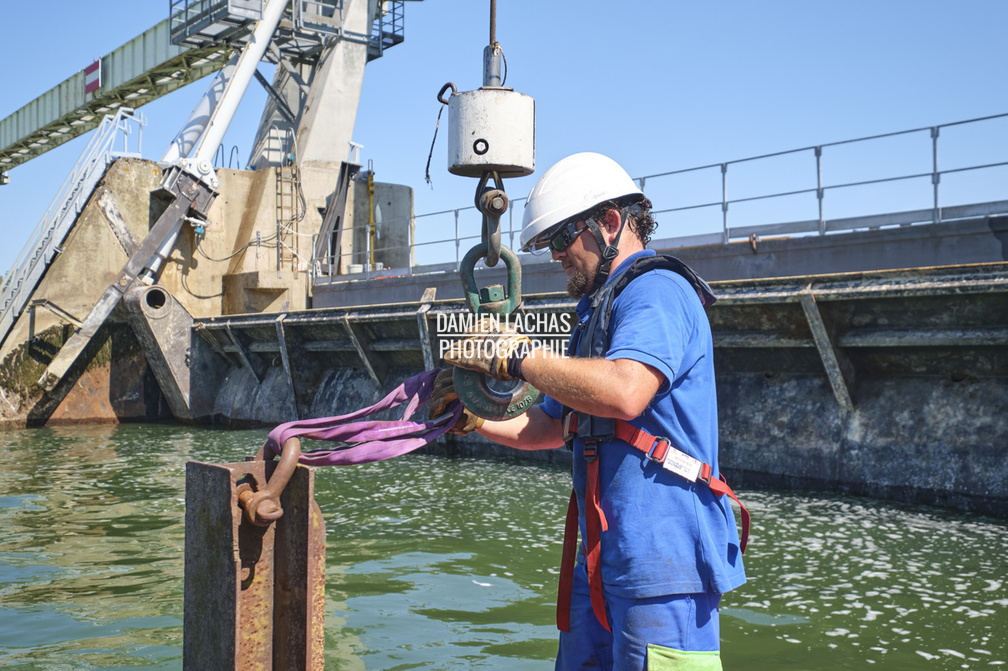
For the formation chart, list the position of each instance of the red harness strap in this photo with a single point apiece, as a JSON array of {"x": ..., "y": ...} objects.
[
  {"x": 659, "y": 450},
  {"x": 567, "y": 561}
]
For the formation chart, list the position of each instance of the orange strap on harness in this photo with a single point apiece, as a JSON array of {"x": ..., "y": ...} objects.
[{"x": 661, "y": 451}]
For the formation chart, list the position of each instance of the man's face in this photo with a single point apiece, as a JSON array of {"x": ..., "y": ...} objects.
[{"x": 581, "y": 262}]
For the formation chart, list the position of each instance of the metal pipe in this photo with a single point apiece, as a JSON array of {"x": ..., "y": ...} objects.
[
  {"x": 196, "y": 124},
  {"x": 153, "y": 269},
  {"x": 457, "y": 242},
  {"x": 247, "y": 63},
  {"x": 724, "y": 201},
  {"x": 411, "y": 244},
  {"x": 819, "y": 190},
  {"x": 492, "y": 66},
  {"x": 493, "y": 22},
  {"x": 935, "y": 175}
]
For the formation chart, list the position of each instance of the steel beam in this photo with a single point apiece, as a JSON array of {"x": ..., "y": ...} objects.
[
  {"x": 190, "y": 195},
  {"x": 830, "y": 357},
  {"x": 285, "y": 360},
  {"x": 116, "y": 222},
  {"x": 424, "y": 328},
  {"x": 254, "y": 596},
  {"x": 239, "y": 349},
  {"x": 361, "y": 351}
]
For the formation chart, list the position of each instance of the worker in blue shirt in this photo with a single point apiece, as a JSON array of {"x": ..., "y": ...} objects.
[{"x": 635, "y": 400}]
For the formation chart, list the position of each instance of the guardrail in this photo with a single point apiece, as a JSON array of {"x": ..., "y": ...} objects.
[
  {"x": 794, "y": 192},
  {"x": 111, "y": 141}
]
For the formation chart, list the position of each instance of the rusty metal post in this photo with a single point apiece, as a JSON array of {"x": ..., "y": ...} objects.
[{"x": 254, "y": 593}]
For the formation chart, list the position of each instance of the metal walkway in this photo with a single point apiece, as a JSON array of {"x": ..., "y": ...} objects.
[
  {"x": 140, "y": 71},
  {"x": 178, "y": 51}
]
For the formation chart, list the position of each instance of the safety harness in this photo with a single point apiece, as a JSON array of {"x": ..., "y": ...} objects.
[{"x": 591, "y": 339}]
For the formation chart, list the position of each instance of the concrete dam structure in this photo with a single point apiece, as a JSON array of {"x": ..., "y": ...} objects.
[
  {"x": 866, "y": 354},
  {"x": 888, "y": 382}
]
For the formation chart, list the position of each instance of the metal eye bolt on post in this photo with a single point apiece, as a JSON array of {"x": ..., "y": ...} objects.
[
  {"x": 255, "y": 540},
  {"x": 491, "y": 136}
]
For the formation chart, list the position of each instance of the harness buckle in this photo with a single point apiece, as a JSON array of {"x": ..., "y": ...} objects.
[
  {"x": 590, "y": 450},
  {"x": 569, "y": 420},
  {"x": 705, "y": 474},
  {"x": 659, "y": 450}
]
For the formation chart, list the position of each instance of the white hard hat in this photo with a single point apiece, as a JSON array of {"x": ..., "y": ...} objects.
[{"x": 573, "y": 185}]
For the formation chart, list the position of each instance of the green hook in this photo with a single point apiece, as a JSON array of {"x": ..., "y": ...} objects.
[
  {"x": 491, "y": 299},
  {"x": 489, "y": 398}
]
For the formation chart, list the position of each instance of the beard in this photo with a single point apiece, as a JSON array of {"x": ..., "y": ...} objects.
[{"x": 578, "y": 284}]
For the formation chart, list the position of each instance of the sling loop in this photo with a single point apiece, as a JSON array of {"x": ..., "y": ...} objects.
[{"x": 371, "y": 440}]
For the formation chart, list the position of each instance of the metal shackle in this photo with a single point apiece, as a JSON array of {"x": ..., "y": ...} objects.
[
  {"x": 262, "y": 506},
  {"x": 495, "y": 298}
]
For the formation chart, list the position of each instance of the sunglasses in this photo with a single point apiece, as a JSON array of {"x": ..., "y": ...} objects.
[{"x": 560, "y": 240}]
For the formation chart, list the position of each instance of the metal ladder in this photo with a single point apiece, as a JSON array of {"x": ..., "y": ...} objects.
[
  {"x": 44, "y": 243},
  {"x": 288, "y": 214},
  {"x": 289, "y": 210}
]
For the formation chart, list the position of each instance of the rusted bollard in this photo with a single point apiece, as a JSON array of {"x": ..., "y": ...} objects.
[{"x": 254, "y": 566}]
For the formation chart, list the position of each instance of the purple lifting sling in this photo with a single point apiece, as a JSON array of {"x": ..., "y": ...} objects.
[{"x": 371, "y": 440}]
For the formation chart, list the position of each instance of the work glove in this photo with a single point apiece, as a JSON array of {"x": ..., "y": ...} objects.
[
  {"x": 488, "y": 349},
  {"x": 442, "y": 395}
]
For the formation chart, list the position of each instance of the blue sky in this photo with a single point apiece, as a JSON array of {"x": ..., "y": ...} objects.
[{"x": 658, "y": 86}]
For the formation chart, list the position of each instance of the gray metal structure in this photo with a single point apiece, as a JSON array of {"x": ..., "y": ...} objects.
[
  {"x": 140, "y": 71},
  {"x": 196, "y": 40},
  {"x": 192, "y": 186},
  {"x": 205, "y": 30},
  {"x": 302, "y": 33},
  {"x": 827, "y": 381}
]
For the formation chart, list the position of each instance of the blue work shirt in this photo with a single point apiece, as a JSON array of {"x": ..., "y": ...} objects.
[{"x": 666, "y": 535}]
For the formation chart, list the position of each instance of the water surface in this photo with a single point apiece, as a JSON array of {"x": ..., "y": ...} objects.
[{"x": 442, "y": 563}]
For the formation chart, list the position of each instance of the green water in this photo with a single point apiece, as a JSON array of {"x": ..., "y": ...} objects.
[{"x": 451, "y": 564}]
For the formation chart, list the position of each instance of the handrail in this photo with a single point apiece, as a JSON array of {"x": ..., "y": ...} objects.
[{"x": 733, "y": 229}]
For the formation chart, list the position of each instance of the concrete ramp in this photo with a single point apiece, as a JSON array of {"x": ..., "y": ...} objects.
[{"x": 114, "y": 219}]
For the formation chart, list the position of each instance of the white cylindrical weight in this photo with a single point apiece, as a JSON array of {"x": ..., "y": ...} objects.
[{"x": 491, "y": 129}]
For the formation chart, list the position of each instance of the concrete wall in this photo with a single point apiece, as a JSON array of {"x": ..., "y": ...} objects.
[
  {"x": 920, "y": 439},
  {"x": 93, "y": 253},
  {"x": 232, "y": 269},
  {"x": 916, "y": 409},
  {"x": 110, "y": 384}
]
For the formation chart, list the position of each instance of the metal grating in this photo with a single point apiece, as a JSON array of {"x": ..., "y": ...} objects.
[{"x": 197, "y": 23}]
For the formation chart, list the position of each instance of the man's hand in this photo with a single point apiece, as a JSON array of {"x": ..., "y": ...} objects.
[
  {"x": 442, "y": 395},
  {"x": 487, "y": 350}
]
